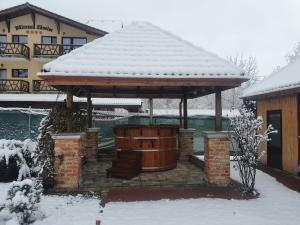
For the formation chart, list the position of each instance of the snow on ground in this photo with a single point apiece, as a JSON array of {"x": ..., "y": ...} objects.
[
  {"x": 277, "y": 205},
  {"x": 61, "y": 210}
]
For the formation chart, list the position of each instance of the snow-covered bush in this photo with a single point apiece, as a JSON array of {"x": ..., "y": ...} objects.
[
  {"x": 54, "y": 122},
  {"x": 17, "y": 154},
  {"x": 23, "y": 194},
  {"x": 247, "y": 136},
  {"x": 44, "y": 154},
  {"x": 23, "y": 197}
]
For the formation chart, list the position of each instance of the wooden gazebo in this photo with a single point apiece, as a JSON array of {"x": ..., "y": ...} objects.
[{"x": 142, "y": 61}]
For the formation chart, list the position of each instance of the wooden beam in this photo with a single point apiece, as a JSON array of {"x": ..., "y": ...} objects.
[
  {"x": 69, "y": 104},
  {"x": 180, "y": 113},
  {"x": 138, "y": 89},
  {"x": 57, "y": 26},
  {"x": 89, "y": 110},
  {"x": 56, "y": 80},
  {"x": 218, "y": 111},
  {"x": 8, "y": 25},
  {"x": 114, "y": 91},
  {"x": 33, "y": 19},
  {"x": 151, "y": 110},
  {"x": 185, "y": 113}
]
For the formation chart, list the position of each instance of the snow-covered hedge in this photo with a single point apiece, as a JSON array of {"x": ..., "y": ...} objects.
[
  {"x": 22, "y": 199},
  {"x": 17, "y": 153}
]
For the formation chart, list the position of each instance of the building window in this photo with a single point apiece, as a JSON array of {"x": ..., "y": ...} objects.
[
  {"x": 21, "y": 39},
  {"x": 20, "y": 73},
  {"x": 74, "y": 40},
  {"x": 2, "y": 73},
  {"x": 49, "y": 40},
  {"x": 3, "y": 39}
]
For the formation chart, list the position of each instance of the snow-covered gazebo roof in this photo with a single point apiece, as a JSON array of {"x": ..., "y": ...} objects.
[
  {"x": 141, "y": 60},
  {"x": 284, "y": 81}
]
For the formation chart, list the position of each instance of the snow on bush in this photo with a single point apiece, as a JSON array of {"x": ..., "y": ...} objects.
[
  {"x": 24, "y": 194},
  {"x": 247, "y": 137},
  {"x": 20, "y": 152},
  {"x": 22, "y": 199},
  {"x": 44, "y": 154}
]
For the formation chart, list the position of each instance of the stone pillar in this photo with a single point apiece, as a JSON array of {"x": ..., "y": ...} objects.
[
  {"x": 68, "y": 150},
  {"x": 217, "y": 158},
  {"x": 92, "y": 143},
  {"x": 186, "y": 143}
]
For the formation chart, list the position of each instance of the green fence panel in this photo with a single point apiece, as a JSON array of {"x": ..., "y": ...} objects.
[{"x": 16, "y": 124}]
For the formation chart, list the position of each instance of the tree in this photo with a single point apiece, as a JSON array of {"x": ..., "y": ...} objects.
[
  {"x": 246, "y": 139},
  {"x": 249, "y": 66},
  {"x": 294, "y": 54},
  {"x": 290, "y": 57}
]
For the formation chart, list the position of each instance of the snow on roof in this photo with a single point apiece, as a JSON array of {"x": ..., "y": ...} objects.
[
  {"x": 141, "y": 50},
  {"x": 62, "y": 97},
  {"x": 286, "y": 78},
  {"x": 107, "y": 25}
]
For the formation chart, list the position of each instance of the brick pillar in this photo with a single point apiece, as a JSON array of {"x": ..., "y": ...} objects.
[
  {"x": 91, "y": 143},
  {"x": 186, "y": 143},
  {"x": 216, "y": 158},
  {"x": 68, "y": 150}
]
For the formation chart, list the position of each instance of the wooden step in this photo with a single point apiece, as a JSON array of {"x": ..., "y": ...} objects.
[{"x": 127, "y": 164}]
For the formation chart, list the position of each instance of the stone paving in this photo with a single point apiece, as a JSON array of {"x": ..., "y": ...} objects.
[{"x": 184, "y": 175}]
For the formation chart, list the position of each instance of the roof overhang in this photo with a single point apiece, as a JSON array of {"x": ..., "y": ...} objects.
[
  {"x": 273, "y": 94},
  {"x": 26, "y": 8},
  {"x": 141, "y": 87}
]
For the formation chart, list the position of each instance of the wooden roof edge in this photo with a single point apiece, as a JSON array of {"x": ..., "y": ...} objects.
[
  {"x": 44, "y": 12},
  {"x": 110, "y": 80},
  {"x": 274, "y": 94}
]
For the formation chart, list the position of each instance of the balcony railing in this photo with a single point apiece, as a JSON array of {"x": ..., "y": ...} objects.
[
  {"x": 41, "y": 85},
  {"x": 14, "y": 49},
  {"x": 14, "y": 85},
  {"x": 53, "y": 49}
]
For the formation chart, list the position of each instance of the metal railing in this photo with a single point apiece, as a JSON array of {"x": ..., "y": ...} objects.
[
  {"x": 14, "y": 85},
  {"x": 53, "y": 49},
  {"x": 41, "y": 85},
  {"x": 15, "y": 49}
]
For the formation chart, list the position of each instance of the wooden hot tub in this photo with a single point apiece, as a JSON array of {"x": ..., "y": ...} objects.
[{"x": 158, "y": 144}]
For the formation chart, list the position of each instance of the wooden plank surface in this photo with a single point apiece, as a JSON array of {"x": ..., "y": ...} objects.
[{"x": 289, "y": 107}]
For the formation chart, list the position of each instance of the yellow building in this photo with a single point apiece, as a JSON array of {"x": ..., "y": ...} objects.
[{"x": 30, "y": 37}]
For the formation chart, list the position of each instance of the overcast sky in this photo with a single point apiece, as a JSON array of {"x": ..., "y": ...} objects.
[{"x": 266, "y": 29}]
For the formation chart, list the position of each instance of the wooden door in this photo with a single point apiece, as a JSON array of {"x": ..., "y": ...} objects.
[{"x": 274, "y": 146}]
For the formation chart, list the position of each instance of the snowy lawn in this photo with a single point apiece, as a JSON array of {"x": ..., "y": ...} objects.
[
  {"x": 61, "y": 210},
  {"x": 276, "y": 205}
]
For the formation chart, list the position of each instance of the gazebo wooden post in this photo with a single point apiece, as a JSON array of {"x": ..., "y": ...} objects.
[
  {"x": 186, "y": 135},
  {"x": 218, "y": 111},
  {"x": 180, "y": 113},
  {"x": 151, "y": 110},
  {"x": 89, "y": 110},
  {"x": 185, "y": 113},
  {"x": 69, "y": 105}
]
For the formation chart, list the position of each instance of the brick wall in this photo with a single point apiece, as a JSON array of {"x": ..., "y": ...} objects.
[
  {"x": 217, "y": 158},
  {"x": 68, "y": 159},
  {"x": 91, "y": 143},
  {"x": 186, "y": 143}
]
